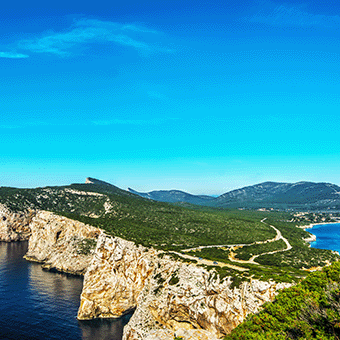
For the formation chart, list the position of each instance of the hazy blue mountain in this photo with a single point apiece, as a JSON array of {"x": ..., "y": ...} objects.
[
  {"x": 174, "y": 196},
  {"x": 299, "y": 195}
]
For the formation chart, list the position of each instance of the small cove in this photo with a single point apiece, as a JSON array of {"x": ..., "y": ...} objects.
[
  {"x": 36, "y": 304},
  {"x": 327, "y": 236}
]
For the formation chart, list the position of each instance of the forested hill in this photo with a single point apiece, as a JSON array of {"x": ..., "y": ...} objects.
[
  {"x": 299, "y": 196},
  {"x": 174, "y": 196},
  {"x": 138, "y": 219}
]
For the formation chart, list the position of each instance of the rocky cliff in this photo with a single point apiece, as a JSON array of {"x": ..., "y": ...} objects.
[
  {"x": 15, "y": 226},
  {"x": 113, "y": 282},
  {"x": 170, "y": 298},
  {"x": 60, "y": 243}
]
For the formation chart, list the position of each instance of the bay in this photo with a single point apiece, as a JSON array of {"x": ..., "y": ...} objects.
[
  {"x": 36, "y": 304},
  {"x": 327, "y": 236}
]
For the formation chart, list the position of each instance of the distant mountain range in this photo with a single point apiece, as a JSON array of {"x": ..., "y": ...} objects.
[
  {"x": 301, "y": 195},
  {"x": 174, "y": 196}
]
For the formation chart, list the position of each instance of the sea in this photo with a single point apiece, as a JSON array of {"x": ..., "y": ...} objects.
[
  {"x": 327, "y": 236},
  {"x": 36, "y": 304}
]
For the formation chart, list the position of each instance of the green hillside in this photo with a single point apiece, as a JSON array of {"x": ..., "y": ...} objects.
[
  {"x": 174, "y": 196},
  {"x": 142, "y": 220},
  {"x": 177, "y": 228}
]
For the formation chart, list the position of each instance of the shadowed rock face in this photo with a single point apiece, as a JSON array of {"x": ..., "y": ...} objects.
[
  {"x": 168, "y": 296},
  {"x": 15, "y": 226}
]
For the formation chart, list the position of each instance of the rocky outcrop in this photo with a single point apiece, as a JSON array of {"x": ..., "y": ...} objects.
[
  {"x": 169, "y": 297},
  {"x": 192, "y": 299},
  {"x": 114, "y": 280},
  {"x": 14, "y": 226},
  {"x": 182, "y": 333},
  {"x": 60, "y": 243}
]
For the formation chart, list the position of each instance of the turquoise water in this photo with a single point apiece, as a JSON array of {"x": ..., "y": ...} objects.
[{"x": 327, "y": 236}]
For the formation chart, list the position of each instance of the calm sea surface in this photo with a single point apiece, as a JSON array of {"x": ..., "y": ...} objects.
[
  {"x": 35, "y": 304},
  {"x": 327, "y": 236}
]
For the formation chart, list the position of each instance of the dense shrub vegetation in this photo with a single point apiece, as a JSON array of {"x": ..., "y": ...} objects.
[
  {"x": 245, "y": 253},
  {"x": 138, "y": 219},
  {"x": 309, "y": 310}
]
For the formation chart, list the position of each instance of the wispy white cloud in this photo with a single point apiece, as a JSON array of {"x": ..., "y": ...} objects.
[
  {"x": 13, "y": 55},
  {"x": 102, "y": 122},
  {"x": 285, "y": 15},
  {"x": 86, "y": 31},
  {"x": 114, "y": 26}
]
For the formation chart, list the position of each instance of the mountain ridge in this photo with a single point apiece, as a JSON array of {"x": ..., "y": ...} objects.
[
  {"x": 173, "y": 196},
  {"x": 303, "y": 194},
  {"x": 278, "y": 195}
]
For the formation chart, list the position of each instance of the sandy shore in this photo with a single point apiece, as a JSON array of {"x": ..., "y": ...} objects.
[
  {"x": 310, "y": 239},
  {"x": 309, "y": 226}
]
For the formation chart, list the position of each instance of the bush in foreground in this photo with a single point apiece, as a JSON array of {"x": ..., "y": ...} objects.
[{"x": 309, "y": 310}]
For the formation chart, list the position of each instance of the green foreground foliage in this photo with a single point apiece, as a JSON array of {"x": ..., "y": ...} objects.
[{"x": 309, "y": 310}]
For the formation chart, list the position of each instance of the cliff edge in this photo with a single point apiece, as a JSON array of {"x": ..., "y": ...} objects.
[
  {"x": 170, "y": 298},
  {"x": 60, "y": 243},
  {"x": 15, "y": 226}
]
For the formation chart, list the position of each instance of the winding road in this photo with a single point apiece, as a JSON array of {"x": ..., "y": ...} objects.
[
  {"x": 234, "y": 247},
  {"x": 278, "y": 237}
]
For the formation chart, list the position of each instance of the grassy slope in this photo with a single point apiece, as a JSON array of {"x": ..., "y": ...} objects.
[
  {"x": 175, "y": 227},
  {"x": 138, "y": 219}
]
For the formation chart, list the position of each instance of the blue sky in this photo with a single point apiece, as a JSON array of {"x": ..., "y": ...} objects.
[{"x": 193, "y": 95}]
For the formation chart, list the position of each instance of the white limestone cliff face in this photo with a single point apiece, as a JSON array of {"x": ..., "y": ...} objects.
[
  {"x": 170, "y": 298},
  {"x": 197, "y": 301},
  {"x": 60, "y": 243},
  {"x": 115, "y": 278},
  {"x": 14, "y": 226}
]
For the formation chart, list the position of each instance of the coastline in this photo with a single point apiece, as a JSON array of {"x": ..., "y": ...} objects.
[
  {"x": 312, "y": 237},
  {"x": 310, "y": 226}
]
